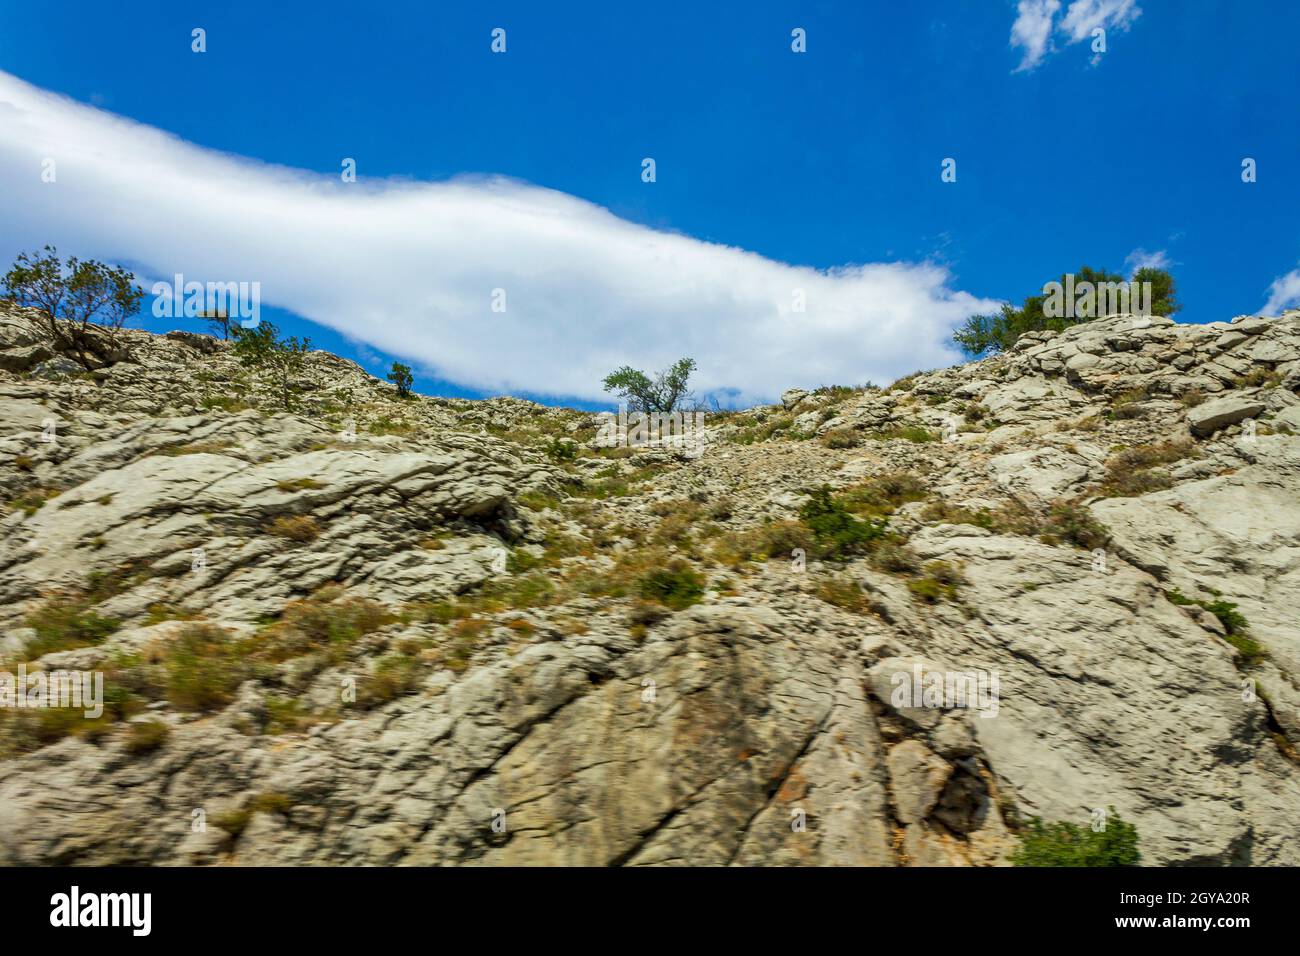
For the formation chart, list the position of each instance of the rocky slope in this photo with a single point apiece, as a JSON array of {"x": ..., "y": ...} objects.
[{"x": 428, "y": 631}]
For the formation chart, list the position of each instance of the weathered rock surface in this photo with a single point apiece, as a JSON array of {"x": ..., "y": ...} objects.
[
  {"x": 1209, "y": 418},
  {"x": 447, "y": 652}
]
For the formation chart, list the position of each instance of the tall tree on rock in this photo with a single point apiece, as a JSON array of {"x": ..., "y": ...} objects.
[{"x": 85, "y": 303}]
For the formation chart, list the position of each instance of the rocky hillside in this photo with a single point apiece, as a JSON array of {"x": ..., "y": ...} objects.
[{"x": 371, "y": 630}]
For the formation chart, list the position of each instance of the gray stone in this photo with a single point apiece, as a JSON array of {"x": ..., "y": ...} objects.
[{"x": 1209, "y": 417}]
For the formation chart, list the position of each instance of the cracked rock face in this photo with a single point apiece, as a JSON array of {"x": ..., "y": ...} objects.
[{"x": 367, "y": 630}]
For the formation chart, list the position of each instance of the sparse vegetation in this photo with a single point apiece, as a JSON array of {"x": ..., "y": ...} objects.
[
  {"x": 761, "y": 429},
  {"x": 146, "y": 736},
  {"x": 1064, "y": 521},
  {"x": 325, "y": 623},
  {"x": 1129, "y": 404},
  {"x": 836, "y": 531},
  {"x": 388, "y": 425},
  {"x": 465, "y": 635},
  {"x": 195, "y": 448},
  {"x": 537, "y": 500},
  {"x": 676, "y": 586},
  {"x": 842, "y": 438},
  {"x": 301, "y": 528},
  {"x": 1068, "y": 844},
  {"x": 235, "y": 822},
  {"x": 940, "y": 582},
  {"x": 881, "y": 495},
  {"x": 203, "y": 667},
  {"x": 837, "y": 393},
  {"x": 1259, "y": 377},
  {"x": 162, "y": 611},
  {"x": 774, "y": 539},
  {"x": 299, "y": 484},
  {"x": 1139, "y": 470},
  {"x": 31, "y": 501},
  {"x": 1236, "y": 628},
  {"x": 393, "y": 676},
  {"x": 561, "y": 450},
  {"x": 916, "y": 434},
  {"x": 66, "y": 621},
  {"x": 843, "y": 592}
]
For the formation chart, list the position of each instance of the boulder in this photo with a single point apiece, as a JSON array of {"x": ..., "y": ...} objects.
[{"x": 1207, "y": 418}]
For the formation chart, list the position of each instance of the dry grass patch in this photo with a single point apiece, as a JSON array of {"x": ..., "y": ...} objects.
[
  {"x": 1139, "y": 470},
  {"x": 301, "y": 528}
]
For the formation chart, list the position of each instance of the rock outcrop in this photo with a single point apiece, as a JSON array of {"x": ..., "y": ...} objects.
[{"x": 372, "y": 630}]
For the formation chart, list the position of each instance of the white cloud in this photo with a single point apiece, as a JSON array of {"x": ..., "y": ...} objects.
[
  {"x": 410, "y": 267},
  {"x": 1033, "y": 30},
  {"x": 1084, "y": 16},
  {"x": 1036, "y": 23},
  {"x": 1142, "y": 259},
  {"x": 1284, "y": 293}
]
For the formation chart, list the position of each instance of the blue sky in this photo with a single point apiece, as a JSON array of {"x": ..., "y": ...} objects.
[{"x": 822, "y": 159}]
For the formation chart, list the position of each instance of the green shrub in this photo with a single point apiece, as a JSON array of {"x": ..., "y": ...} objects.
[
  {"x": 226, "y": 403},
  {"x": 465, "y": 635},
  {"x": 1260, "y": 376},
  {"x": 324, "y": 622},
  {"x": 537, "y": 500},
  {"x": 387, "y": 425},
  {"x": 285, "y": 715},
  {"x": 235, "y": 822},
  {"x": 896, "y": 559},
  {"x": 676, "y": 586},
  {"x": 1072, "y": 522},
  {"x": 842, "y": 438},
  {"x": 840, "y": 392},
  {"x": 393, "y": 676},
  {"x": 880, "y": 496},
  {"x": 1251, "y": 650},
  {"x": 776, "y": 538},
  {"x": 843, "y": 592},
  {"x": 146, "y": 736},
  {"x": 203, "y": 668},
  {"x": 1137, "y": 470},
  {"x": 65, "y": 622},
  {"x": 1234, "y": 623},
  {"x": 837, "y": 532},
  {"x": 1067, "y": 844},
  {"x": 940, "y": 582},
  {"x": 561, "y": 450}
]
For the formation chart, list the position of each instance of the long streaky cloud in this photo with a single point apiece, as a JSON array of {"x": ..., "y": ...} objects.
[{"x": 412, "y": 268}]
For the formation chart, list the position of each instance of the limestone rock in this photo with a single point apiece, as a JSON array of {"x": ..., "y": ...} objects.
[
  {"x": 449, "y": 641},
  {"x": 1221, "y": 412}
]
